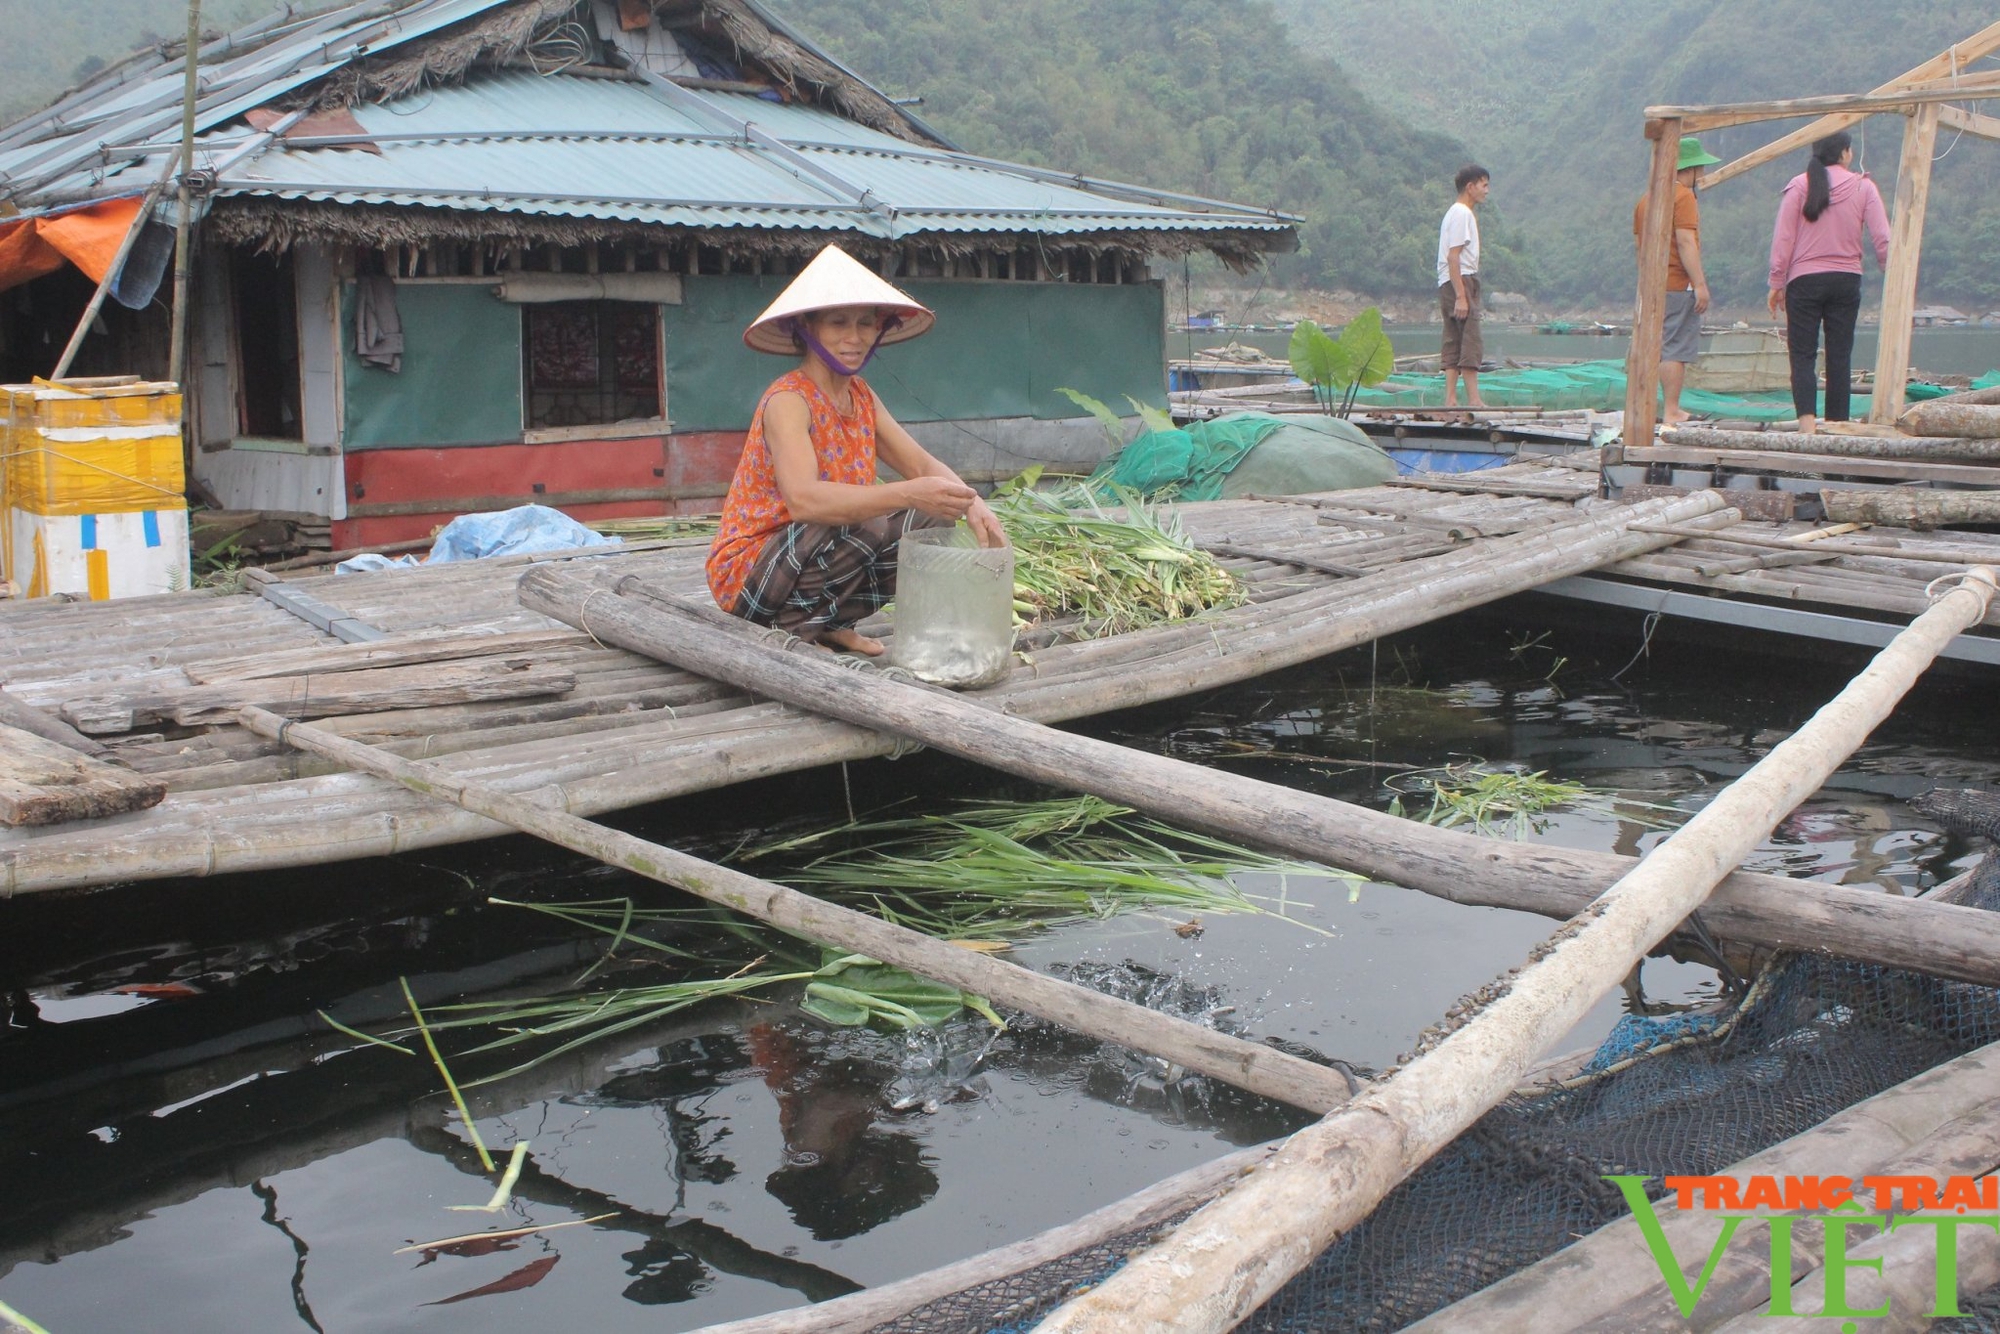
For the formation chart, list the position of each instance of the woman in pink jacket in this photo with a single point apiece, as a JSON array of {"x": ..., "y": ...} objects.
[{"x": 1816, "y": 271}]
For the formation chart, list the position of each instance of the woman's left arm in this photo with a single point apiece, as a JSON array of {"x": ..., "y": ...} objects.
[
  {"x": 1876, "y": 219},
  {"x": 896, "y": 447}
]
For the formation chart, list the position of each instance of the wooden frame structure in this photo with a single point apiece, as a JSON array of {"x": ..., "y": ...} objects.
[{"x": 1920, "y": 94}]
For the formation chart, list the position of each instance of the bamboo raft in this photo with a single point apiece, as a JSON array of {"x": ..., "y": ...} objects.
[{"x": 445, "y": 664}]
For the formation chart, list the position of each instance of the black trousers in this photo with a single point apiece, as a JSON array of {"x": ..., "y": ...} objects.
[{"x": 1813, "y": 299}]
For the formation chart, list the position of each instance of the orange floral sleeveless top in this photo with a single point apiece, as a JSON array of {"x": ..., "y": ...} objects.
[{"x": 845, "y": 447}]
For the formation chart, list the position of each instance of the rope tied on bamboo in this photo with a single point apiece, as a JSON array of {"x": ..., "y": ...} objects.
[
  {"x": 583, "y": 615},
  {"x": 889, "y": 672},
  {"x": 1946, "y": 584}
]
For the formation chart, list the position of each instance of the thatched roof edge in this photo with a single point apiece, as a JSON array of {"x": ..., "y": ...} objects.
[{"x": 278, "y": 224}]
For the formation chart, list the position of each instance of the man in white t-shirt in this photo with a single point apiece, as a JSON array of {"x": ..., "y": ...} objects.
[{"x": 1458, "y": 286}]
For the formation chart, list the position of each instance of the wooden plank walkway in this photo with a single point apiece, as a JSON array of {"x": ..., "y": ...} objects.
[{"x": 600, "y": 729}]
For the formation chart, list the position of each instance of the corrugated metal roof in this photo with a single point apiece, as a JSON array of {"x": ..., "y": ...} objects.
[
  {"x": 518, "y": 142},
  {"x": 571, "y": 146}
]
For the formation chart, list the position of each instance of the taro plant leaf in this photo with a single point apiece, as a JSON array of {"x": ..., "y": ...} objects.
[
  {"x": 1319, "y": 360},
  {"x": 1370, "y": 357},
  {"x": 870, "y": 992},
  {"x": 1113, "y": 425},
  {"x": 1154, "y": 419}
]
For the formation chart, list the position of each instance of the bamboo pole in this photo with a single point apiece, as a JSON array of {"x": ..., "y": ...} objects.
[
  {"x": 1225, "y": 1261},
  {"x": 1945, "y": 65},
  {"x": 1557, "y": 882},
  {"x": 1899, "y": 283},
  {"x": 1247, "y": 1065},
  {"x": 1649, "y": 312},
  {"x": 1911, "y": 448},
  {"x": 1945, "y": 422},
  {"x": 177, "y": 337},
  {"x": 1918, "y": 510},
  {"x": 110, "y": 278}
]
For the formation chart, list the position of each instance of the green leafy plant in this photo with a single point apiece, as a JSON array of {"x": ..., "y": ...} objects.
[
  {"x": 1150, "y": 418},
  {"x": 1117, "y": 572},
  {"x": 1514, "y": 802},
  {"x": 1340, "y": 368},
  {"x": 853, "y": 990},
  {"x": 992, "y": 870}
]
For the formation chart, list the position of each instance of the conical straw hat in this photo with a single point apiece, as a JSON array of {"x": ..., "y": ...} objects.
[{"x": 834, "y": 278}]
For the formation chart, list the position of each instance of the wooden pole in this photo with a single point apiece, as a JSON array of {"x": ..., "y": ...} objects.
[
  {"x": 1229, "y": 1258},
  {"x": 1949, "y": 941},
  {"x": 1724, "y": 114},
  {"x": 1247, "y": 1065},
  {"x": 1914, "y": 448},
  {"x": 177, "y": 337},
  {"x": 1899, "y": 283},
  {"x": 1941, "y": 66},
  {"x": 1649, "y": 313},
  {"x": 104, "y": 286}
]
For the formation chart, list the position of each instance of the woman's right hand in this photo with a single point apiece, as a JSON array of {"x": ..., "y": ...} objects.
[
  {"x": 939, "y": 497},
  {"x": 1775, "y": 299}
]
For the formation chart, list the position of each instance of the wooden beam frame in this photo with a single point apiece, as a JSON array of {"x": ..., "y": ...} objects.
[
  {"x": 1969, "y": 122},
  {"x": 1656, "y": 238},
  {"x": 1714, "y": 117},
  {"x": 1920, "y": 94},
  {"x": 1942, "y": 66},
  {"x": 1899, "y": 281}
]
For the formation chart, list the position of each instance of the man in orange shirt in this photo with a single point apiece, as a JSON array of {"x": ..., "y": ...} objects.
[{"x": 1687, "y": 286}]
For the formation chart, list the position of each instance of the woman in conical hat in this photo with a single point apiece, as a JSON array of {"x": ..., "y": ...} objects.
[{"x": 808, "y": 537}]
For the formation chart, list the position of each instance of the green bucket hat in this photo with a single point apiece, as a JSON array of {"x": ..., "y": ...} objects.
[{"x": 1694, "y": 155}]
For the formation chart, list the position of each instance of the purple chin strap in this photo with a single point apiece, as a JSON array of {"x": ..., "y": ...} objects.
[{"x": 833, "y": 363}]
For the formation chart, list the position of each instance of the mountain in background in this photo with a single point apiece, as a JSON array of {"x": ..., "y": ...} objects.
[
  {"x": 1354, "y": 118},
  {"x": 1204, "y": 97},
  {"x": 49, "y": 45},
  {"x": 1550, "y": 95}
]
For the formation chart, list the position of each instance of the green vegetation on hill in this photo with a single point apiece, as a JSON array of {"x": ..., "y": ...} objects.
[
  {"x": 51, "y": 44},
  {"x": 1550, "y": 94},
  {"x": 1206, "y": 98}
]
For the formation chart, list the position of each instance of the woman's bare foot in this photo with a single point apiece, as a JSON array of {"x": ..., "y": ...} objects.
[{"x": 849, "y": 640}]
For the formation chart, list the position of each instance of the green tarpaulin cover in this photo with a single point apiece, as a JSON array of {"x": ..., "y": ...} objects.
[{"x": 1243, "y": 453}]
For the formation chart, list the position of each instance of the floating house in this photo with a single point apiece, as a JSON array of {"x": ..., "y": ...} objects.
[{"x": 458, "y": 255}]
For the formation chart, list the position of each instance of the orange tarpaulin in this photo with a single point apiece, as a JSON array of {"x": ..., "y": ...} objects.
[{"x": 86, "y": 237}]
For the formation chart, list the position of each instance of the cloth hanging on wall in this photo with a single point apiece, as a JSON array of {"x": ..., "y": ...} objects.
[{"x": 378, "y": 327}]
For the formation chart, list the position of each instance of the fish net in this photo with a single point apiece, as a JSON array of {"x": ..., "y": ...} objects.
[{"x": 1684, "y": 1096}]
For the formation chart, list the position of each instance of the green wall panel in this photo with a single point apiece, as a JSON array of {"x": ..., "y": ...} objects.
[
  {"x": 999, "y": 350},
  {"x": 461, "y": 377}
]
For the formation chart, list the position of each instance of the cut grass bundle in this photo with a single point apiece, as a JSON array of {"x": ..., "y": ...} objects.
[
  {"x": 1117, "y": 574},
  {"x": 657, "y": 529},
  {"x": 991, "y": 870},
  {"x": 1506, "y": 801}
]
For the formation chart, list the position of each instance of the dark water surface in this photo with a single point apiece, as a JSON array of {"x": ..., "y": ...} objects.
[{"x": 185, "y": 1146}]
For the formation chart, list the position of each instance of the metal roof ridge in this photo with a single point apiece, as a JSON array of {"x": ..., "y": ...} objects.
[{"x": 280, "y": 65}]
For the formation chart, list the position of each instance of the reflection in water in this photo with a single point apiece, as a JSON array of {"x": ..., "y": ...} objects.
[{"x": 843, "y": 1175}]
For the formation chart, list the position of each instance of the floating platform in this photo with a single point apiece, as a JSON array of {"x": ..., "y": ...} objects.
[{"x": 443, "y": 663}]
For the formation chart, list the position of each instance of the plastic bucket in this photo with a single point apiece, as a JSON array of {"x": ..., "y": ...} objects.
[{"x": 954, "y": 612}]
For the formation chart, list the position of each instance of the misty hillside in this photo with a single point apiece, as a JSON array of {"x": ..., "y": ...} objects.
[
  {"x": 51, "y": 44},
  {"x": 1550, "y": 93},
  {"x": 1200, "y": 97}
]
